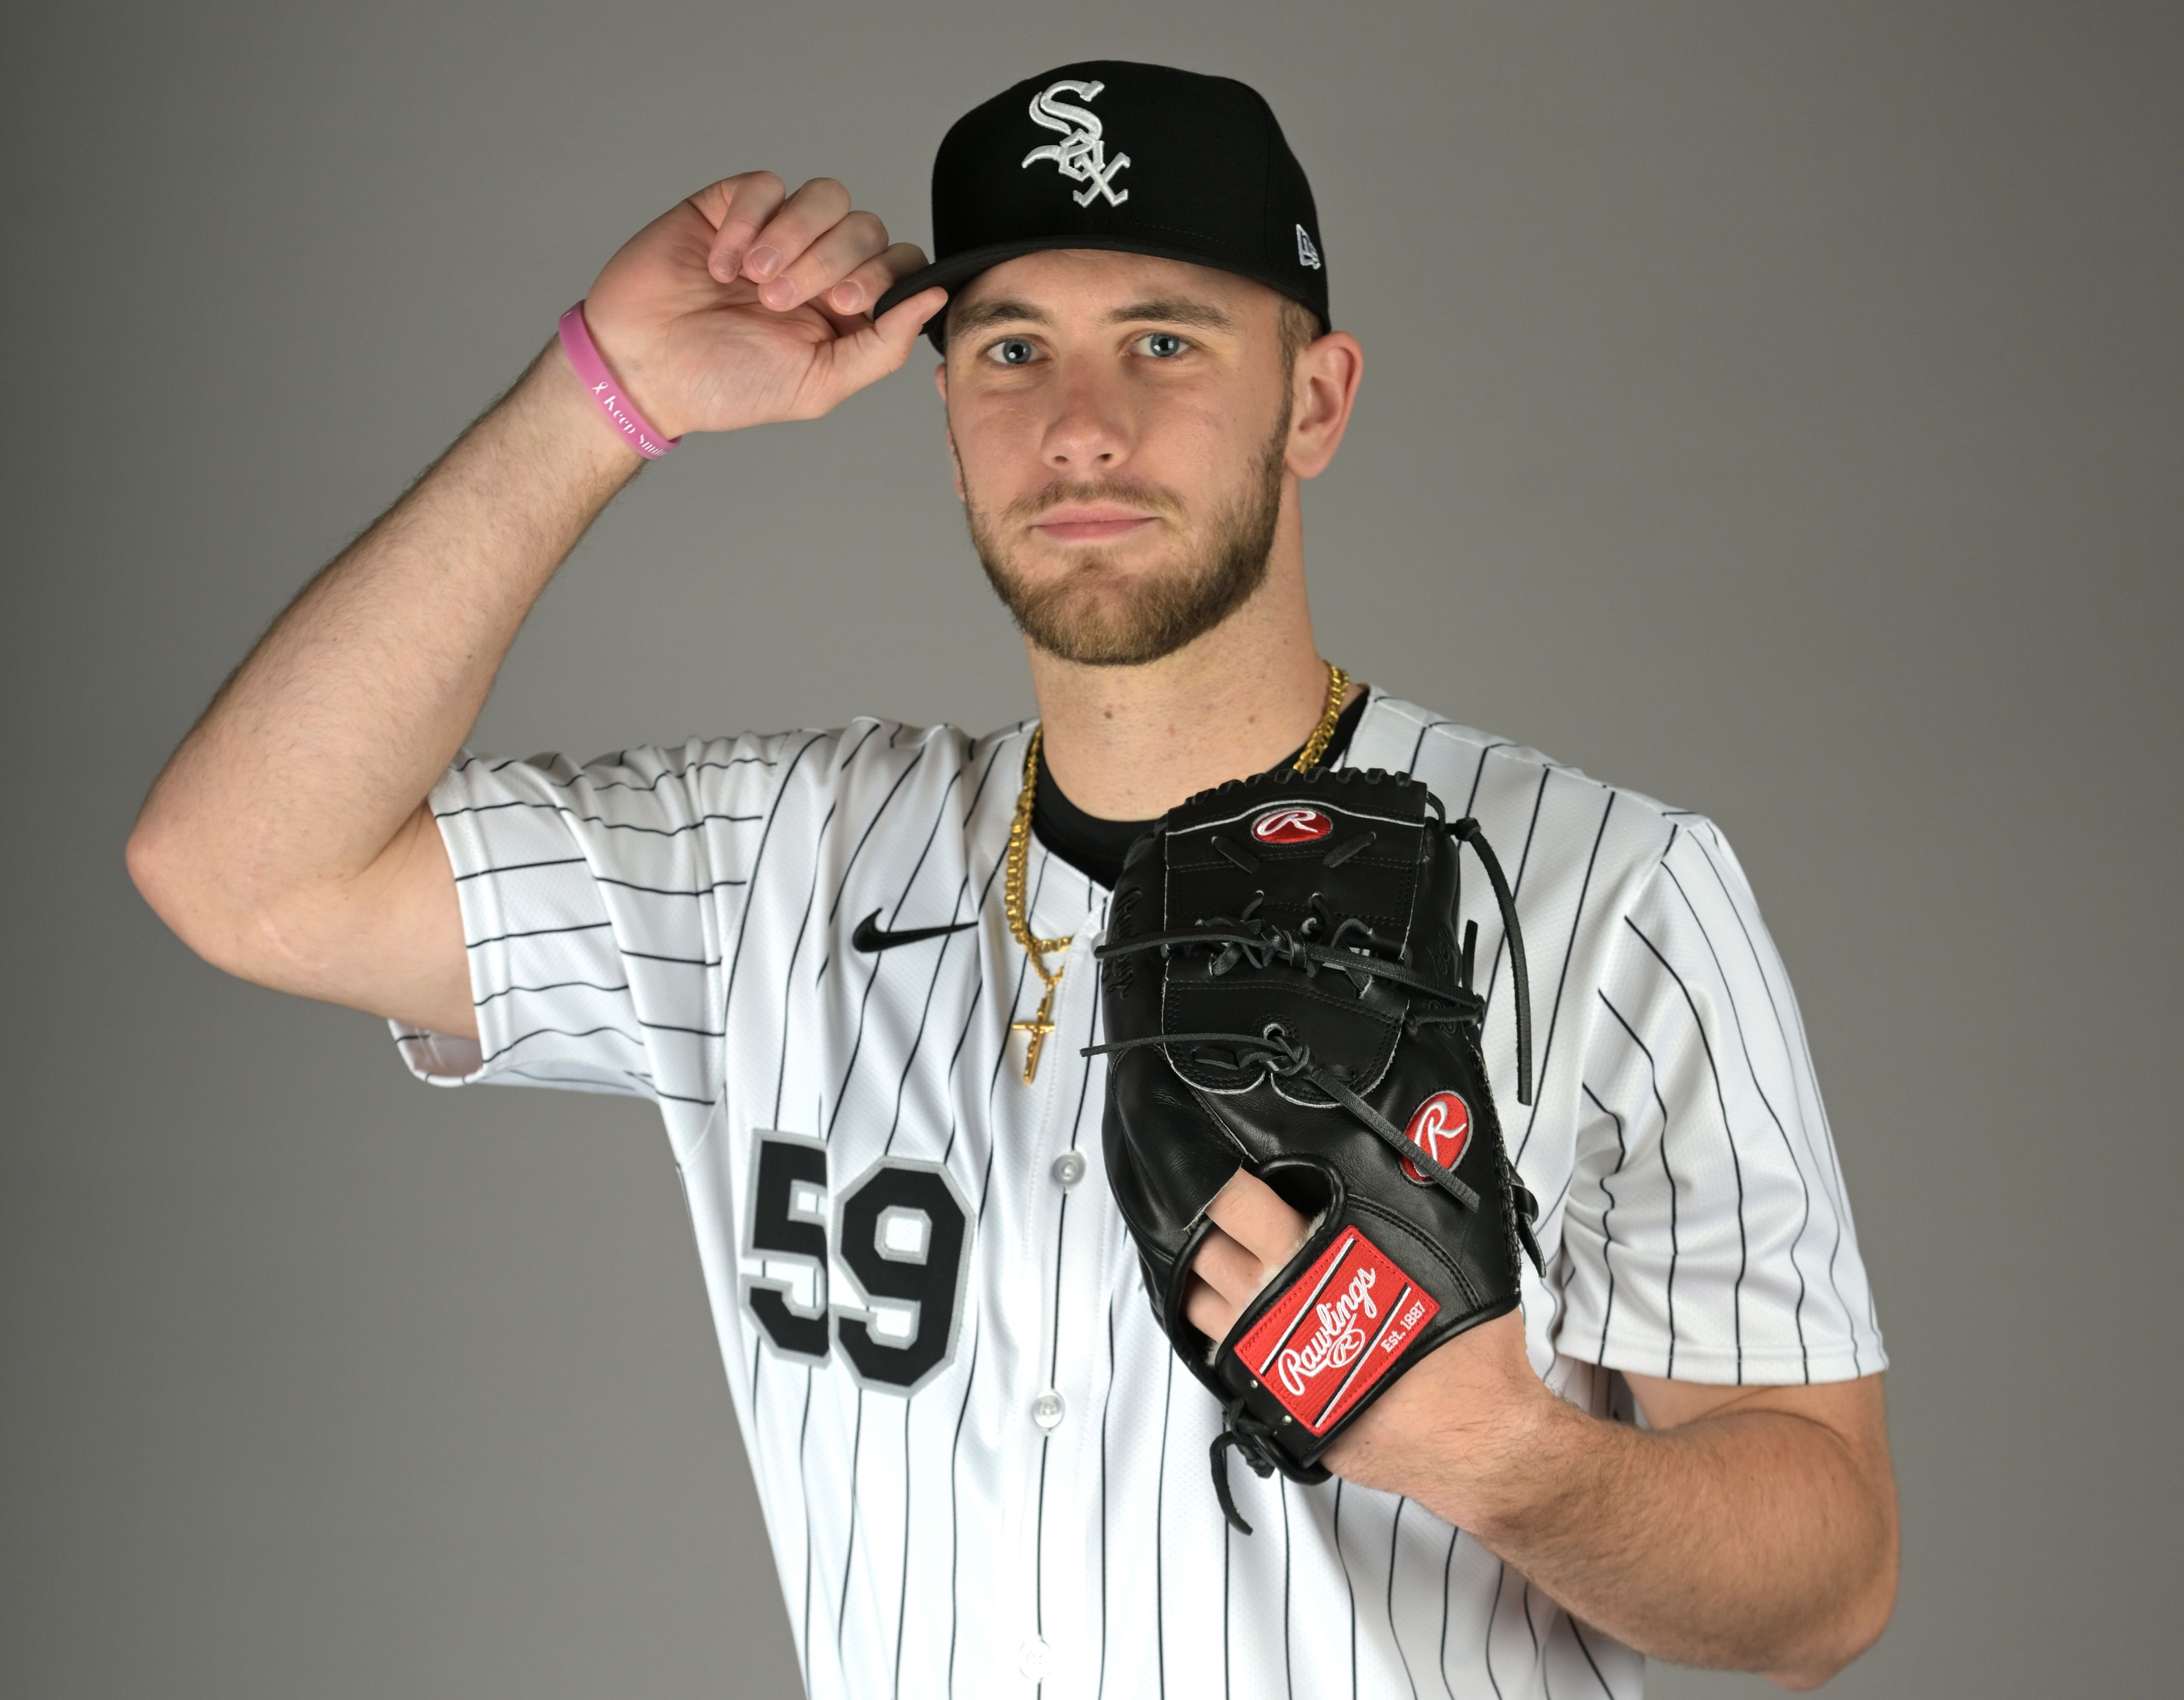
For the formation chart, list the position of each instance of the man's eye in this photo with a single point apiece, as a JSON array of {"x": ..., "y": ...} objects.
[
  {"x": 1161, "y": 345},
  {"x": 1012, "y": 351}
]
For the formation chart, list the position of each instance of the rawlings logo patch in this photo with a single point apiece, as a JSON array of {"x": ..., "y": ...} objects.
[
  {"x": 1291, "y": 826},
  {"x": 1338, "y": 1329},
  {"x": 1441, "y": 1129}
]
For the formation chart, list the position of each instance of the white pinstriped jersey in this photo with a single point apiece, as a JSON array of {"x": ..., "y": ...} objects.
[{"x": 982, "y": 1471}]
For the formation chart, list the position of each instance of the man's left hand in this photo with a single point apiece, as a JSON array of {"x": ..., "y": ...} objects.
[
  {"x": 1752, "y": 1528},
  {"x": 1475, "y": 1395}
]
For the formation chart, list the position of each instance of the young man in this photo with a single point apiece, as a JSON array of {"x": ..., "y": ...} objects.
[{"x": 853, "y": 968}]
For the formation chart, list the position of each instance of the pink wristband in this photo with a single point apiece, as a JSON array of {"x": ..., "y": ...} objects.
[{"x": 620, "y": 411}]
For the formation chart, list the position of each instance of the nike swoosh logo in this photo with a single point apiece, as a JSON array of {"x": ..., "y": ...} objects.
[{"x": 870, "y": 937}]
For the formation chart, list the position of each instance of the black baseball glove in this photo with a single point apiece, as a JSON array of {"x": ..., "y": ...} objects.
[{"x": 1283, "y": 990}]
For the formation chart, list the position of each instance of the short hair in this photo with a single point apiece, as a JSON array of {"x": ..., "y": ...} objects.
[{"x": 1299, "y": 329}]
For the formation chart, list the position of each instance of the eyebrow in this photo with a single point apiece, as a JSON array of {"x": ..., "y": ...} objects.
[
  {"x": 1169, "y": 310},
  {"x": 1003, "y": 311},
  {"x": 1172, "y": 309}
]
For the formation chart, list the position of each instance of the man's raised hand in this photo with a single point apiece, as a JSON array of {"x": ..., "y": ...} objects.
[{"x": 745, "y": 304}]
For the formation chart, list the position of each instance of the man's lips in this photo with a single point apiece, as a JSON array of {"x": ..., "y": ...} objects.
[{"x": 1073, "y": 523}]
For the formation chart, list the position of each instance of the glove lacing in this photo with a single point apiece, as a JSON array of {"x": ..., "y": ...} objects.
[{"x": 1252, "y": 1438}]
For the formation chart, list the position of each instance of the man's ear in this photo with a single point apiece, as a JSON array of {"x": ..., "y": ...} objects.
[
  {"x": 955, "y": 458},
  {"x": 1323, "y": 391}
]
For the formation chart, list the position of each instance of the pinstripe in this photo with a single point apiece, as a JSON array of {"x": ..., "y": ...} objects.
[
  {"x": 1289, "y": 1658},
  {"x": 849, "y": 866},
  {"x": 878, "y": 959},
  {"x": 1805, "y": 1196},
  {"x": 1562, "y": 981},
  {"x": 1838, "y": 1206},
  {"x": 1736, "y": 1162},
  {"x": 1349, "y": 1585},
  {"x": 789, "y": 972},
  {"x": 1054, "y": 1354},
  {"x": 636, "y": 1040},
  {"x": 535, "y": 932},
  {"x": 1517, "y": 881},
  {"x": 803, "y": 1434},
  {"x": 902, "y": 1597},
  {"x": 1160, "y": 1538},
  {"x": 1478, "y": 773},
  {"x": 849, "y": 1548},
  {"x": 1418, "y": 747},
  {"x": 552, "y": 986},
  {"x": 698, "y": 825},
  {"x": 1447, "y": 1569},
  {"x": 507, "y": 868},
  {"x": 1493, "y": 1617},
  {"x": 1577, "y": 1635},
  {"x": 1661, "y": 1103},
  {"x": 1228, "y": 1668},
  {"x": 1394, "y": 1534},
  {"x": 1607, "y": 1234},
  {"x": 683, "y": 772},
  {"x": 758, "y": 859},
  {"x": 1106, "y": 1403},
  {"x": 955, "y": 1520}
]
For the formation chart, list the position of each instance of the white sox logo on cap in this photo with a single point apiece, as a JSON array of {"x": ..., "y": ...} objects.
[
  {"x": 1441, "y": 1128},
  {"x": 1291, "y": 827},
  {"x": 1081, "y": 155}
]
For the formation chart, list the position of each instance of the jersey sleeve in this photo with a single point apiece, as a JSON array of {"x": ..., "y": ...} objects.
[
  {"x": 1708, "y": 1236},
  {"x": 596, "y": 904}
]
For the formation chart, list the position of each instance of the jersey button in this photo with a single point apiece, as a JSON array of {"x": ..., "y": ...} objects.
[
  {"x": 1034, "y": 1658},
  {"x": 1068, "y": 1169},
  {"x": 1048, "y": 1410}
]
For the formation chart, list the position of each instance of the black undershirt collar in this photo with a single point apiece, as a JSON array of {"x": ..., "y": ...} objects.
[{"x": 1095, "y": 847}]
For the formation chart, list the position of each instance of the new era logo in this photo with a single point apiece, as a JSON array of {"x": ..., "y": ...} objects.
[{"x": 1307, "y": 254}]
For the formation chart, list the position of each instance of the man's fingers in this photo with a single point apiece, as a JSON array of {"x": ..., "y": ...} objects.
[
  {"x": 863, "y": 287},
  {"x": 1210, "y": 1313},
  {"x": 1228, "y": 1268},
  {"x": 737, "y": 207},
  {"x": 832, "y": 257},
  {"x": 803, "y": 217},
  {"x": 1255, "y": 1215}
]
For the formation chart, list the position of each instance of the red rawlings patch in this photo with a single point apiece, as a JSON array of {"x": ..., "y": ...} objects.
[
  {"x": 1291, "y": 826},
  {"x": 1337, "y": 1330},
  {"x": 1441, "y": 1127}
]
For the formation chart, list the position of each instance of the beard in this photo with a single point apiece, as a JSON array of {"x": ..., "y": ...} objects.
[{"x": 1099, "y": 614}]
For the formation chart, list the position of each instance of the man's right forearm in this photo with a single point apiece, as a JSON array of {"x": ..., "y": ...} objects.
[{"x": 318, "y": 754}]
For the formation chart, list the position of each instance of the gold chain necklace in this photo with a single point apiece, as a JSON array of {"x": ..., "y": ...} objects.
[{"x": 1019, "y": 855}]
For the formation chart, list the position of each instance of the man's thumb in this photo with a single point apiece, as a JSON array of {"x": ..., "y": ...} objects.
[{"x": 883, "y": 345}]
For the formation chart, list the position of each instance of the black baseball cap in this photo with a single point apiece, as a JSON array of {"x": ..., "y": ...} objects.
[{"x": 1136, "y": 158}]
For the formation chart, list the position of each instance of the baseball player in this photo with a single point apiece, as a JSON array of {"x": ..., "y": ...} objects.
[{"x": 860, "y": 970}]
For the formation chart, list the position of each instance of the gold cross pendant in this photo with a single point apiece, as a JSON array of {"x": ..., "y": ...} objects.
[{"x": 1038, "y": 1027}]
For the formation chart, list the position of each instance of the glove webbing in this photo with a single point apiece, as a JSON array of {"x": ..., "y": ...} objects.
[
  {"x": 1264, "y": 946},
  {"x": 1273, "y": 1051}
]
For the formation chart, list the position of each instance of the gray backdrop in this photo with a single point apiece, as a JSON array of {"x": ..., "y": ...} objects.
[{"x": 1776, "y": 409}]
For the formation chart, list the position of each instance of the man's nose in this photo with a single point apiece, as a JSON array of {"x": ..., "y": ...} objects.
[{"x": 1089, "y": 432}]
